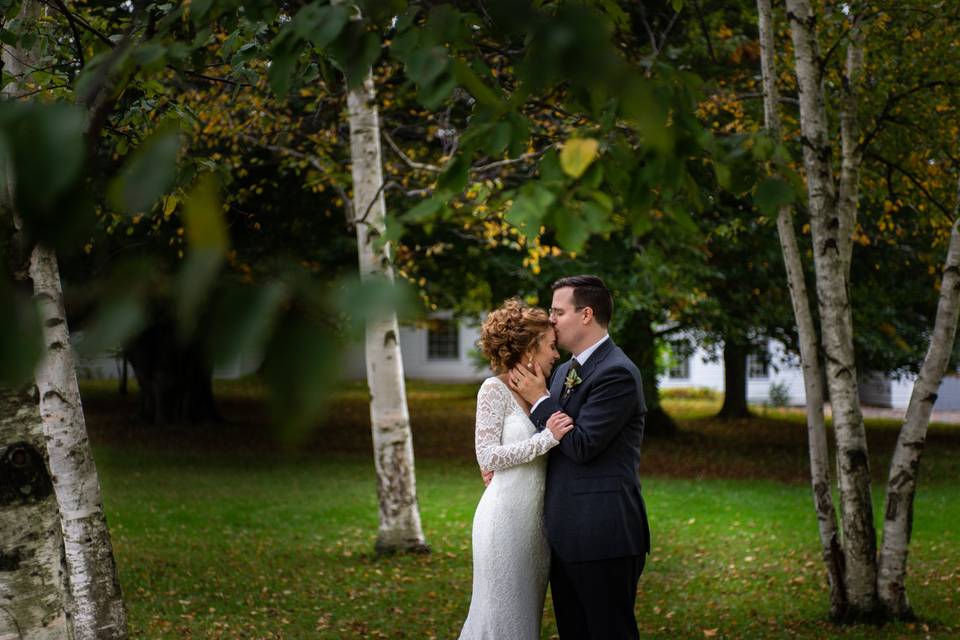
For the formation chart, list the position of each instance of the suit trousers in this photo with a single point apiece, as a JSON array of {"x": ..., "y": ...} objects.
[{"x": 594, "y": 600}]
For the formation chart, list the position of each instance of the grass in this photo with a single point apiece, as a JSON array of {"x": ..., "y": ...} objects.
[{"x": 219, "y": 532}]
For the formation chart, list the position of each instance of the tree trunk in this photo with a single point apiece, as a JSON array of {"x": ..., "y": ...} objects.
[
  {"x": 96, "y": 602},
  {"x": 32, "y": 578},
  {"x": 400, "y": 528},
  {"x": 637, "y": 340},
  {"x": 828, "y": 223},
  {"x": 809, "y": 353},
  {"x": 902, "y": 482},
  {"x": 734, "y": 381},
  {"x": 175, "y": 380}
]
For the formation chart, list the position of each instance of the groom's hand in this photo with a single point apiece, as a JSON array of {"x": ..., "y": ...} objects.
[
  {"x": 530, "y": 385},
  {"x": 487, "y": 477}
]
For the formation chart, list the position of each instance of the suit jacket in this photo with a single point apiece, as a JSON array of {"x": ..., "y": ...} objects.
[{"x": 592, "y": 506}]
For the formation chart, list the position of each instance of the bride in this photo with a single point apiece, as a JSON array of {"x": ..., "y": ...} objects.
[{"x": 511, "y": 557}]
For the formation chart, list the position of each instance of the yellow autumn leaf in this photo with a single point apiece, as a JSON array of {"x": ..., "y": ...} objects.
[
  {"x": 169, "y": 205},
  {"x": 577, "y": 154}
]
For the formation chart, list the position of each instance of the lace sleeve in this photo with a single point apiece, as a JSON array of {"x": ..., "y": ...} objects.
[{"x": 493, "y": 402}]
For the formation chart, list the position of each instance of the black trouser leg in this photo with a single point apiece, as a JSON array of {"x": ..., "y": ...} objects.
[
  {"x": 604, "y": 593},
  {"x": 571, "y": 619}
]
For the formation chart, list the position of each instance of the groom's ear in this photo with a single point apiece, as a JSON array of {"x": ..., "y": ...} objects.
[{"x": 587, "y": 315}]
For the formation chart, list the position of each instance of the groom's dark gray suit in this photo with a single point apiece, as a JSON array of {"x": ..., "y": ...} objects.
[{"x": 595, "y": 517}]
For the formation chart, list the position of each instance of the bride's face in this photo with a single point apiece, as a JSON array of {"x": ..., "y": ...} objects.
[{"x": 546, "y": 353}]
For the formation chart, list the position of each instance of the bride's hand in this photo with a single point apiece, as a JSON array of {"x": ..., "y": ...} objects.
[
  {"x": 529, "y": 385},
  {"x": 559, "y": 424}
]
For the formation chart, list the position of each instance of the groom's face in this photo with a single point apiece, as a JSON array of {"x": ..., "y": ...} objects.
[{"x": 566, "y": 318}]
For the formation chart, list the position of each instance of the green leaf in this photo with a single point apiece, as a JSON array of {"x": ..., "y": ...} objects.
[
  {"x": 300, "y": 375},
  {"x": 430, "y": 69},
  {"x": 150, "y": 55},
  {"x": 283, "y": 60},
  {"x": 677, "y": 5},
  {"x": 198, "y": 9},
  {"x": 115, "y": 322},
  {"x": 498, "y": 140},
  {"x": 572, "y": 231},
  {"x": 550, "y": 170},
  {"x": 203, "y": 220},
  {"x": 475, "y": 86},
  {"x": 355, "y": 51},
  {"x": 722, "y": 172},
  {"x": 577, "y": 154},
  {"x": 320, "y": 24},
  {"x": 425, "y": 210},
  {"x": 21, "y": 339},
  {"x": 454, "y": 179},
  {"x": 772, "y": 194},
  {"x": 148, "y": 174},
  {"x": 244, "y": 318},
  {"x": 529, "y": 208},
  {"x": 519, "y": 133},
  {"x": 193, "y": 284}
]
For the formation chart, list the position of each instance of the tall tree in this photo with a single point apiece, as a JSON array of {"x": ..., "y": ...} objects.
[
  {"x": 32, "y": 579},
  {"x": 868, "y": 588},
  {"x": 400, "y": 528},
  {"x": 95, "y": 602},
  {"x": 807, "y": 334}
]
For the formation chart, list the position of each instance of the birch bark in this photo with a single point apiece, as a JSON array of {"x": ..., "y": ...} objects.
[
  {"x": 829, "y": 222},
  {"x": 33, "y": 587},
  {"x": 95, "y": 603},
  {"x": 902, "y": 481},
  {"x": 400, "y": 528},
  {"x": 809, "y": 353}
]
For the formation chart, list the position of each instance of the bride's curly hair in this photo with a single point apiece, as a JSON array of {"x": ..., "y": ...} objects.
[{"x": 510, "y": 332}]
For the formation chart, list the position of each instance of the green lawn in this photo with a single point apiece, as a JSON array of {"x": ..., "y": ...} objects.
[{"x": 219, "y": 533}]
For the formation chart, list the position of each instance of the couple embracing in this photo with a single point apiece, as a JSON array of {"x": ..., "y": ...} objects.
[{"x": 563, "y": 449}]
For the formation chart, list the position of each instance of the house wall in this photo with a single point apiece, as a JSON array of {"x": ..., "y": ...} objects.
[
  {"x": 417, "y": 364},
  {"x": 706, "y": 371}
]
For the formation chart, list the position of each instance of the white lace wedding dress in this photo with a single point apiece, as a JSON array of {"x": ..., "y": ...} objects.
[{"x": 511, "y": 557}]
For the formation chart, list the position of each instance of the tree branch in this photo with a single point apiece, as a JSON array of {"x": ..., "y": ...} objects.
[{"x": 916, "y": 182}]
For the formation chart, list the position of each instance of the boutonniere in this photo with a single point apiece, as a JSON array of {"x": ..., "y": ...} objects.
[{"x": 572, "y": 380}]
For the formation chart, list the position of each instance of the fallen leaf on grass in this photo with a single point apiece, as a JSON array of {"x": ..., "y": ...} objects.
[{"x": 710, "y": 633}]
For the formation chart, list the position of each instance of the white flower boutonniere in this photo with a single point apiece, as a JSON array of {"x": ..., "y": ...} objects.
[{"x": 572, "y": 380}]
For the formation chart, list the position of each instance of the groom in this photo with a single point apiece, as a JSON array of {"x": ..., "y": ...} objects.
[{"x": 595, "y": 517}]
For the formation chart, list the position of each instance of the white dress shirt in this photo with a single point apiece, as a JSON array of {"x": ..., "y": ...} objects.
[{"x": 582, "y": 359}]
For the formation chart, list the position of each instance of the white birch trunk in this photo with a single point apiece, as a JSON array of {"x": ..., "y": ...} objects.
[
  {"x": 836, "y": 321},
  {"x": 851, "y": 153},
  {"x": 902, "y": 482},
  {"x": 96, "y": 602},
  {"x": 400, "y": 527},
  {"x": 809, "y": 353},
  {"x": 33, "y": 586}
]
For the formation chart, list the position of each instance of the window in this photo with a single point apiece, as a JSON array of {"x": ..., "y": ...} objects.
[
  {"x": 443, "y": 340},
  {"x": 758, "y": 364},
  {"x": 679, "y": 361}
]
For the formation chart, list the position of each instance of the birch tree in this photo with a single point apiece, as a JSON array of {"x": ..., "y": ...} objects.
[
  {"x": 862, "y": 587},
  {"x": 400, "y": 528},
  {"x": 809, "y": 352},
  {"x": 32, "y": 577},
  {"x": 831, "y": 225},
  {"x": 902, "y": 479},
  {"x": 95, "y": 603}
]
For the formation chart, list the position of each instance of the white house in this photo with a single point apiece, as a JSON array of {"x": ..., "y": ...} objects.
[
  {"x": 439, "y": 352},
  {"x": 443, "y": 350},
  {"x": 776, "y": 367}
]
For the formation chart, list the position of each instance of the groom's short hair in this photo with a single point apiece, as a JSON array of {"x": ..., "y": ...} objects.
[{"x": 590, "y": 291}]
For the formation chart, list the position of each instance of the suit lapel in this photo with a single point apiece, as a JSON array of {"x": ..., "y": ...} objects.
[
  {"x": 556, "y": 386},
  {"x": 594, "y": 361}
]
